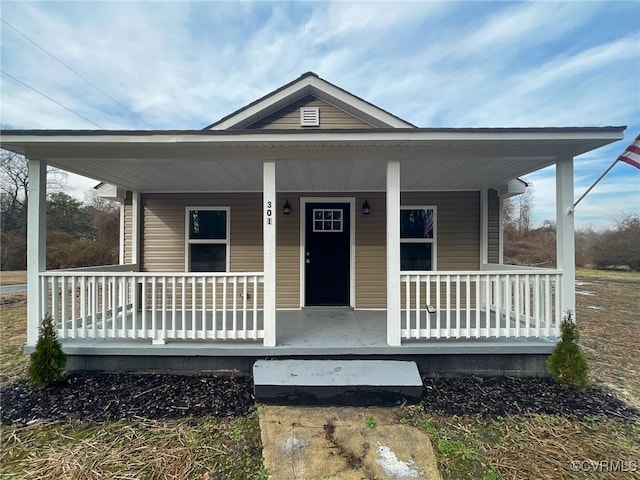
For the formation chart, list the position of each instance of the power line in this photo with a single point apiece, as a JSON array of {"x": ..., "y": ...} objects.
[
  {"x": 49, "y": 98},
  {"x": 75, "y": 73}
]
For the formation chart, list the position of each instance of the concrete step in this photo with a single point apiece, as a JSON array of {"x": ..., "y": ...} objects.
[{"x": 336, "y": 382}]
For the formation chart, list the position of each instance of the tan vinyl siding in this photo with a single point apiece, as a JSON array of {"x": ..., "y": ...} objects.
[
  {"x": 164, "y": 229},
  {"x": 288, "y": 252},
  {"x": 128, "y": 228},
  {"x": 494, "y": 226},
  {"x": 458, "y": 243},
  {"x": 371, "y": 252},
  {"x": 289, "y": 117}
]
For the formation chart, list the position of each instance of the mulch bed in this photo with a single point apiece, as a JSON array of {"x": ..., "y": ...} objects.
[
  {"x": 108, "y": 397},
  {"x": 493, "y": 397}
]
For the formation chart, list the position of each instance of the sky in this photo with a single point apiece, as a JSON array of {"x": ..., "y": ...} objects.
[{"x": 184, "y": 65}]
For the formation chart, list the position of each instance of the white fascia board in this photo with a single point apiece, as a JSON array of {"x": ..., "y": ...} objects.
[
  {"x": 307, "y": 86},
  {"x": 512, "y": 188},
  {"x": 317, "y": 136},
  {"x": 292, "y": 91},
  {"x": 111, "y": 192},
  {"x": 359, "y": 104}
]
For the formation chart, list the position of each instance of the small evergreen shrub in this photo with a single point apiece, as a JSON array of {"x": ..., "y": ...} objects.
[
  {"x": 48, "y": 360},
  {"x": 567, "y": 364}
]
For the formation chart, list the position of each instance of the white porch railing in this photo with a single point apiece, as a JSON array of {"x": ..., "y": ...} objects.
[
  {"x": 516, "y": 302},
  {"x": 140, "y": 305}
]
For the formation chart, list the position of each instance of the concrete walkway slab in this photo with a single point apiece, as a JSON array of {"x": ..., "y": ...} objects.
[{"x": 343, "y": 443}]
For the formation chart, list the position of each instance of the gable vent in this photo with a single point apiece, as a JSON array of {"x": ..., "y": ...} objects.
[{"x": 309, "y": 116}]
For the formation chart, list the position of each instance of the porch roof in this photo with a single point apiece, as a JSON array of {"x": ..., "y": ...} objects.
[{"x": 308, "y": 160}]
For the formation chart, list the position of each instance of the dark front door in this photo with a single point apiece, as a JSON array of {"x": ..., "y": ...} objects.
[{"x": 327, "y": 248}]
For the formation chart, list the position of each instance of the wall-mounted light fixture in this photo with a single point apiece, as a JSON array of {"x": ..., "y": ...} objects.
[
  {"x": 286, "y": 210},
  {"x": 366, "y": 210}
]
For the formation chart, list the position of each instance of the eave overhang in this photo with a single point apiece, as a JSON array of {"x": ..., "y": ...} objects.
[{"x": 177, "y": 160}]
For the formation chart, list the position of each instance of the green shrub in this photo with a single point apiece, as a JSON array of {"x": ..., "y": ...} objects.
[
  {"x": 48, "y": 360},
  {"x": 567, "y": 364}
]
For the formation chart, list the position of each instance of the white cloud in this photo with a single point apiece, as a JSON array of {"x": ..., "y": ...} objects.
[{"x": 187, "y": 64}]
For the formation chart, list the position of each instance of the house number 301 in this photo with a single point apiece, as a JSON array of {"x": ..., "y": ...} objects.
[{"x": 269, "y": 213}]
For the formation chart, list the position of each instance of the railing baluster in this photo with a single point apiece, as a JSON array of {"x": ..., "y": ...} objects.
[
  {"x": 194, "y": 304},
  {"x": 558, "y": 318},
  {"x": 468, "y": 306},
  {"x": 234, "y": 305},
  {"x": 255, "y": 307},
  {"x": 244, "y": 307},
  {"x": 154, "y": 315},
  {"x": 438, "y": 307},
  {"x": 203, "y": 325},
  {"x": 214, "y": 303},
  {"x": 54, "y": 302},
  {"x": 64, "y": 307},
  {"x": 103, "y": 283},
  {"x": 144, "y": 314},
  {"x": 418, "y": 307},
  {"x": 458, "y": 318},
  {"x": 478, "y": 302},
  {"x": 547, "y": 302},
  {"x": 83, "y": 306},
  {"x": 224, "y": 307}
]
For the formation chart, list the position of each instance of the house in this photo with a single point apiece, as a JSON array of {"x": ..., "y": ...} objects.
[{"x": 310, "y": 223}]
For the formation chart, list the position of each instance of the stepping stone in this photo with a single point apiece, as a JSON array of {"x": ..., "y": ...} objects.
[{"x": 336, "y": 382}]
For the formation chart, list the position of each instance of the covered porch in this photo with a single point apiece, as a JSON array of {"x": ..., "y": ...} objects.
[{"x": 237, "y": 311}]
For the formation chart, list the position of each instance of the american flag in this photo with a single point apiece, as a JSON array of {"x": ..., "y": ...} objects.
[{"x": 632, "y": 154}]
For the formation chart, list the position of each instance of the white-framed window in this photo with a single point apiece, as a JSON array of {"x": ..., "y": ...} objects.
[
  {"x": 327, "y": 220},
  {"x": 207, "y": 239},
  {"x": 418, "y": 238}
]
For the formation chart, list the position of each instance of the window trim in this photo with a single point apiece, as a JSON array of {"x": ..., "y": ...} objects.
[
  {"x": 217, "y": 241},
  {"x": 433, "y": 241}
]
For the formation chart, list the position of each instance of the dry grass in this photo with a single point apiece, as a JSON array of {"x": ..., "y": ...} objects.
[
  {"x": 13, "y": 335},
  {"x": 13, "y": 277},
  {"x": 537, "y": 447},
  {"x": 177, "y": 449},
  {"x": 608, "y": 317}
]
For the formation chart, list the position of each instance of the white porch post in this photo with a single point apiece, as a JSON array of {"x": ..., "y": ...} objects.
[
  {"x": 269, "y": 242},
  {"x": 36, "y": 245},
  {"x": 500, "y": 229},
  {"x": 565, "y": 236},
  {"x": 393, "y": 253},
  {"x": 121, "y": 238},
  {"x": 484, "y": 226},
  {"x": 135, "y": 228}
]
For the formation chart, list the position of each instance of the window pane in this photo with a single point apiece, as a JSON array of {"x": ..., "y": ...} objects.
[
  {"x": 416, "y": 223},
  {"x": 207, "y": 224},
  {"x": 208, "y": 258},
  {"x": 415, "y": 256}
]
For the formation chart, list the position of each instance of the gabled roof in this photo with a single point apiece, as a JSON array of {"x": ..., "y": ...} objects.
[{"x": 309, "y": 84}]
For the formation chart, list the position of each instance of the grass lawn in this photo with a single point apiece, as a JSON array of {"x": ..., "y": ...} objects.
[{"x": 515, "y": 447}]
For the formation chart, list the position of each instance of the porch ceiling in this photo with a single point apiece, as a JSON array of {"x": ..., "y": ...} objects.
[{"x": 206, "y": 161}]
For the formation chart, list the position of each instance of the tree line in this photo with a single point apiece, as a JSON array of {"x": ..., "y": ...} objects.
[
  {"x": 79, "y": 234},
  {"x": 525, "y": 244}
]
